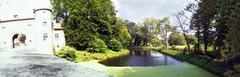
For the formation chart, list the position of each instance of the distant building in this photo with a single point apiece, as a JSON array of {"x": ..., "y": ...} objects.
[{"x": 29, "y": 24}]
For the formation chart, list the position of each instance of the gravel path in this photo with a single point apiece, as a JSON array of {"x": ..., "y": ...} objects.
[{"x": 28, "y": 63}]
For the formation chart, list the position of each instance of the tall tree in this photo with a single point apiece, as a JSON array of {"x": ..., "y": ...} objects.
[
  {"x": 222, "y": 28},
  {"x": 86, "y": 20},
  {"x": 166, "y": 28},
  {"x": 121, "y": 32},
  {"x": 195, "y": 22},
  {"x": 203, "y": 20},
  {"x": 182, "y": 22},
  {"x": 207, "y": 12},
  {"x": 233, "y": 35}
]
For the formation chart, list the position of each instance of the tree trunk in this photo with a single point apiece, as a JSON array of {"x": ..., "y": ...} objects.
[
  {"x": 198, "y": 41},
  {"x": 188, "y": 46},
  {"x": 205, "y": 38},
  {"x": 167, "y": 43},
  {"x": 167, "y": 39}
]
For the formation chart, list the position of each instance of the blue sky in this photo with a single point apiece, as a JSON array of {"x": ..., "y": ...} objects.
[{"x": 137, "y": 10}]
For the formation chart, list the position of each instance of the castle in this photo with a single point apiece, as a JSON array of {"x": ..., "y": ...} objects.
[{"x": 29, "y": 24}]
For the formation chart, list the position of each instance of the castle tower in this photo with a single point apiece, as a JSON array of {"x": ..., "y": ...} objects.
[{"x": 43, "y": 21}]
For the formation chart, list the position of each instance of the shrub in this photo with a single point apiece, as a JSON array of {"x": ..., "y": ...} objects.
[
  {"x": 115, "y": 45},
  {"x": 97, "y": 46},
  {"x": 176, "y": 39},
  {"x": 67, "y": 53},
  {"x": 233, "y": 73},
  {"x": 156, "y": 42},
  {"x": 173, "y": 47}
]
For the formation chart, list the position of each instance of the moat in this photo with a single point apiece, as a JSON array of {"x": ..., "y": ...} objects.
[{"x": 139, "y": 57}]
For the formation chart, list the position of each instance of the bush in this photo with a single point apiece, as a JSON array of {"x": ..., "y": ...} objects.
[
  {"x": 218, "y": 68},
  {"x": 115, "y": 45},
  {"x": 156, "y": 42},
  {"x": 97, "y": 46},
  {"x": 67, "y": 53},
  {"x": 176, "y": 39},
  {"x": 173, "y": 47},
  {"x": 233, "y": 73}
]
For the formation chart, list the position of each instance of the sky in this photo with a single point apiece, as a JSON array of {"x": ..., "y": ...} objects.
[
  {"x": 24, "y": 9},
  {"x": 137, "y": 10}
]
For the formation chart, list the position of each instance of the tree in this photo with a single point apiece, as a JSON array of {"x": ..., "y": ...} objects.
[
  {"x": 222, "y": 28},
  {"x": 203, "y": 21},
  {"x": 153, "y": 25},
  {"x": 87, "y": 20},
  {"x": 183, "y": 23},
  {"x": 166, "y": 28},
  {"x": 194, "y": 22},
  {"x": 121, "y": 32},
  {"x": 152, "y": 28},
  {"x": 233, "y": 35},
  {"x": 176, "y": 39},
  {"x": 191, "y": 39}
]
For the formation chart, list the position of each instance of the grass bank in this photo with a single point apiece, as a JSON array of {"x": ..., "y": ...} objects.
[
  {"x": 216, "y": 67},
  {"x": 74, "y": 55}
]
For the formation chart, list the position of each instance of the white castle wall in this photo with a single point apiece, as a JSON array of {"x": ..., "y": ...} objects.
[
  {"x": 8, "y": 30},
  {"x": 39, "y": 31}
]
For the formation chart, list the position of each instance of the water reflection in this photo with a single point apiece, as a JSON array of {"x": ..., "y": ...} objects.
[{"x": 137, "y": 57}]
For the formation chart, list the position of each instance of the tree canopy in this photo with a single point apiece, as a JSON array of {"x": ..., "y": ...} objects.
[{"x": 89, "y": 20}]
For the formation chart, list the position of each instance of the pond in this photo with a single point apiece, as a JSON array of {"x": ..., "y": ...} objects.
[{"x": 139, "y": 57}]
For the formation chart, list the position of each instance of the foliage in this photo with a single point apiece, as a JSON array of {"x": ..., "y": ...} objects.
[
  {"x": 176, "y": 39},
  {"x": 146, "y": 33},
  {"x": 67, "y": 53},
  {"x": 235, "y": 73},
  {"x": 165, "y": 29},
  {"x": 96, "y": 45},
  {"x": 214, "y": 66},
  {"x": 74, "y": 55},
  {"x": 191, "y": 39},
  {"x": 203, "y": 22},
  {"x": 233, "y": 35},
  {"x": 87, "y": 20},
  {"x": 121, "y": 32},
  {"x": 155, "y": 42},
  {"x": 115, "y": 45}
]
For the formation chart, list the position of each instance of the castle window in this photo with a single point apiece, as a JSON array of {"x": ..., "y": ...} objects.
[
  {"x": 29, "y": 25},
  {"x": 56, "y": 36},
  {"x": 45, "y": 36},
  {"x": 15, "y": 16},
  {"x": 3, "y": 27},
  {"x": 44, "y": 23}
]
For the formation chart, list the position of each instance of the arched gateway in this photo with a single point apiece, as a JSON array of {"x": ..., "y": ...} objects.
[{"x": 18, "y": 40}]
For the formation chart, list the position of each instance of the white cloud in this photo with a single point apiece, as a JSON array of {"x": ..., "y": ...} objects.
[{"x": 137, "y": 10}]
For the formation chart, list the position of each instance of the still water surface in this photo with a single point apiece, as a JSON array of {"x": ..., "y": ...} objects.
[{"x": 139, "y": 57}]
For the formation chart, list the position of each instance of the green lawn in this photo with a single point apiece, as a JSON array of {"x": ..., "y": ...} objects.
[{"x": 180, "y": 70}]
